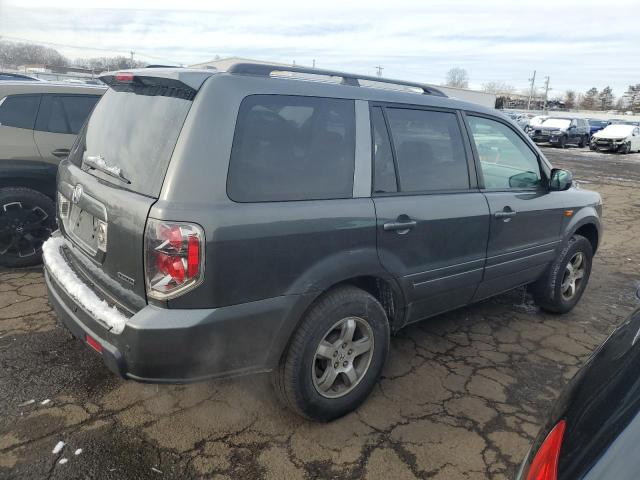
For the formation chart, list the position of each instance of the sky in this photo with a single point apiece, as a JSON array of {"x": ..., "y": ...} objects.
[{"x": 577, "y": 44}]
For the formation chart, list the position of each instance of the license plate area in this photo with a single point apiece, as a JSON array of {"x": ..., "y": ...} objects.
[{"x": 83, "y": 228}]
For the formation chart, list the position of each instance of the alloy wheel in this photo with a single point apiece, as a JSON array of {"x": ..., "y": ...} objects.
[
  {"x": 573, "y": 275},
  {"x": 342, "y": 357},
  {"x": 23, "y": 229}
]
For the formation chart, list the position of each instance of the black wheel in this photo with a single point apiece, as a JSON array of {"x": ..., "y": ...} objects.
[
  {"x": 583, "y": 142},
  {"x": 561, "y": 287},
  {"x": 593, "y": 147},
  {"x": 335, "y": 356},
  {"x": 27, "y": 218},
  {"x": 562, "y": 143},
  {"x": 624, "y": 149}
]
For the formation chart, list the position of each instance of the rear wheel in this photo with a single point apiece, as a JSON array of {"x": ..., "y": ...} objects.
[
  {"x": 335, "y": 356},
  {"x": 583, "y": 141},
  {"x": 27, "y": 218},
  {"x": 560, "y": 289}
]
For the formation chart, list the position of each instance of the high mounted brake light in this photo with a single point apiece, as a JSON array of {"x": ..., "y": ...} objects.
[
  {"x": 174, "y": 258},
  {"x": 124, "y": 77}
]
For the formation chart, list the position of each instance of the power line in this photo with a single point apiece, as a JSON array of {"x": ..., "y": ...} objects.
[
  {"x": 379, "y": 70},
  {"x": 533, "y": 83}
]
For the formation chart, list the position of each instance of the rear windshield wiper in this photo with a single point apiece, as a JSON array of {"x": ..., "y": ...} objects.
[{"x": 97, "y": 163}]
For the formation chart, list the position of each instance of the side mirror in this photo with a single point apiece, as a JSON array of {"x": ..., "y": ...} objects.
[{"x": 560, "y": 180}]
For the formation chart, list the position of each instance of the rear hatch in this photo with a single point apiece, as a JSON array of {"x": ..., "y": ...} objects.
[{"x": 114, "y": 174}]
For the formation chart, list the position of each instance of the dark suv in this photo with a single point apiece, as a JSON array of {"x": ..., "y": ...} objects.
[
  {"x": 562, "y": 131},
  {"x": 216, "y": 224}
]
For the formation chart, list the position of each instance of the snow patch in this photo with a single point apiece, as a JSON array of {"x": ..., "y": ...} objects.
[
  {"x": 75, "y": 288},
  {"x": 99, "y": 161},
  {"x": 45, "y": 402},
  {"x": 78, "y": 451},
  {"x": 63, "y": 461},
  {"x": 28, "y": 402},
  {"x": 58, "y": 448},
  {"x": 156, "y": 470}
]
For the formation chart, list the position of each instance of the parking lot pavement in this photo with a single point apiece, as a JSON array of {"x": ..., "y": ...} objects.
[{"x": 462, "y": 395}]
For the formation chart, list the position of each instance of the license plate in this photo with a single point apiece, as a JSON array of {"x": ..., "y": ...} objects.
[{"x": 82, "y": 227}]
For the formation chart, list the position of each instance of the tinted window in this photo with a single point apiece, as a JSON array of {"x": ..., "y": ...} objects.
[
  {"x": 65, "y": 114},
  {"x": 292, "y": 148},
  {"x": 19, "y": 111},
  {"x": 506, "y": 160},
  {"x": 429, "y": 150},
  {"x": 135, "y": 133},
  {"x": 384, "y": 174}
]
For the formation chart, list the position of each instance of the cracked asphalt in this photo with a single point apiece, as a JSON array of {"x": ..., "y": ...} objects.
[{"x": 462, "y": 394}]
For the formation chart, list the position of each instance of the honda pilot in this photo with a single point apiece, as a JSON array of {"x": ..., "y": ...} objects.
[{"x": 285, "y": 220}]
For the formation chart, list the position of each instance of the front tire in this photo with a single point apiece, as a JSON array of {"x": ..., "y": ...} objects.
[
  {"x": 336, "y": 355},
  {"x": 562, "y": 143},
  {"x": 562, "y": 286},
  {"x": 27, "y": 218}
]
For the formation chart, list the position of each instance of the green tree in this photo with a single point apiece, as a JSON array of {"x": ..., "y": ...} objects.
[
  {"x": 589, "y": 99},
  {"x": 570, "y": 99},
  {"x": 605, "y": 99}
]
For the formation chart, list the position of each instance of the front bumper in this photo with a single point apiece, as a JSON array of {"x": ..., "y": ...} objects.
[
  {"x": 160, "y": 345},
  {"x": 607, "y": 145},
  {"x": 553, "y": 139}
]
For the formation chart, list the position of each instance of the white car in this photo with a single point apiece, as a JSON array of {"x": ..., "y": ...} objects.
[{"x": 619, "y": 138}]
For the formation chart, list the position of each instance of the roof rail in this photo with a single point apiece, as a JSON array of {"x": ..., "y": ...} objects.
[{"x": 351, "y": 79}]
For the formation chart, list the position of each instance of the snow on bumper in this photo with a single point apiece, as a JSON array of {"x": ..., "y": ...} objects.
[{"x": 76, "y": 289}]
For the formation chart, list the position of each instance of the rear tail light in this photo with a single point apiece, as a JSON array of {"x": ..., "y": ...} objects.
[
  {"x": 124, "y": 77},
  {"x": 174, "y": 258},
  {"x": 545, "y": 464},
  {"x": 63, "y": 206},
  {"x": 93, "y": 343}
]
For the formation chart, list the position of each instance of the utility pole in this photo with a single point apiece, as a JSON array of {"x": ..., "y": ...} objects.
[
  {"x": 131, "y": 52},
  {"x": 313, "y": 63},
  {"x": 546, "y": 92},
  {"x": 533, "y": 83},
  {"x": 379, "y": 70}
]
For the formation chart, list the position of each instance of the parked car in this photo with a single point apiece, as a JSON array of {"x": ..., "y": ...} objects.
[
  {"x": 621, "y": 138},
  {"x": 618, "y": 121},
  {"x": 562, "y": 131},
  {"x": 17, "y": 77},
  {"x": 537, "y": 121},
  {"x": 593, "y": 431},
  {"x": 38, "y": 124},
  {"x": 259, "y": 224},
  {"x": 596, "y": 125}
]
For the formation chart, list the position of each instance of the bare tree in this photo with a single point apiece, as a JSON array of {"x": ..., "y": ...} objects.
[
  {"x": 570, "y": 99},
  {"x": 458, "y": 78},
  {"x": 498, "y": 88}
]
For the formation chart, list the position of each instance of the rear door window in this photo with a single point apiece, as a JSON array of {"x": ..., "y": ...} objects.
[
  {"x": 19, "y": 111},
  {"x": 384, "y": 173},
  {"x": 64, "y": 113},
  {"x": 292, "y": 148},
  {"x": 429, "y": 150}
]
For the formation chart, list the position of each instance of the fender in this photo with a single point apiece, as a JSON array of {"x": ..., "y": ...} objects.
[
  {"x": 40, "y": 176},
  {"x": 584, "y": 216}
]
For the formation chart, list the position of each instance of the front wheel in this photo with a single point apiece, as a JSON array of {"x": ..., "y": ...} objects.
[
  {"x": 335, "y": 356},
  {"x": 562, "y": 143},
  {"x": 561, "y": 287}
]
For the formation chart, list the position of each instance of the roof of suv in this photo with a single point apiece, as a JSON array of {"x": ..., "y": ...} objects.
[
  {"x": 352, "y": 85},
  {"x": 20, "y": 87}
]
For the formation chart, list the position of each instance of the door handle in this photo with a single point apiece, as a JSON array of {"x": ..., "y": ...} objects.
[
  {"x": 61, "y": 152},
  {"x": 399, "y": 226},
  {"x": 504, "y": 214}
]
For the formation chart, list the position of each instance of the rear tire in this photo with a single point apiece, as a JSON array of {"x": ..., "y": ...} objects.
[
  {"x": 318, "y": 377},
  {"x": 583, "y": 142},
  {"x": 562, "y": 143},
  {"x": 564, "y": 282},
  {"x": 27, "y": 218}
]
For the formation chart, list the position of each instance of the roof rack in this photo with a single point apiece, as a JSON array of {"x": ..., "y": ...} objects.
[{"x": 351, "y": 79}]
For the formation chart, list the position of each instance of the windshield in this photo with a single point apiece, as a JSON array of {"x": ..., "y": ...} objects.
[
  {"x": 597, "y": 123},
  {"x": 129, "y": 139},
  {"x": 616, "y": 131},
  {"x": 557, "y": 123}
]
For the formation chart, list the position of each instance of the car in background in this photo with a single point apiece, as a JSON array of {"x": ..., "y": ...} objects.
[
  {"x": 618, "y": 121},
  {"x": 619, "y": 137},
  {"x": 595, "y": 125},
  {"x": 17, "y": 77},
  {"x": 562, "y": 131},
  {"x": 39, "y": 122},
  {"x": 593, "y": 431}
]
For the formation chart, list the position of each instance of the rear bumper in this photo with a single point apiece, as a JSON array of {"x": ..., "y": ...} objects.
[{"x": 160, "y": 345}]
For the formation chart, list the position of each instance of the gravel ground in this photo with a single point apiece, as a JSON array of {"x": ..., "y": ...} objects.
[{"x": 461, "y": 397}]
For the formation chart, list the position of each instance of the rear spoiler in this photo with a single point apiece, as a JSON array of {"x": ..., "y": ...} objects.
[{"x": 169, "y": 82}]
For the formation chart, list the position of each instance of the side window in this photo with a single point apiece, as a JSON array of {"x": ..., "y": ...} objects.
[
  {"x": 292, "y": 148},
  {"x": 506, "y": 160},
  {"x": 429, "y": 150},
  {"x": 19, "y": 111},
  {"x": 384, "y": 174},
  {"x": 78, "y": 109},
  {"x": 65, "y": 113}
]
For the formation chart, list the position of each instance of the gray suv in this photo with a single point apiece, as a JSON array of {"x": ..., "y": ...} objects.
[
  {"x": 39, "y": 122},
  {"x": 218, "y": 224}
]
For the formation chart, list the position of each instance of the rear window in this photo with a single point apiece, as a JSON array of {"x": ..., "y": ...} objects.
[
  {"x": 133, "y": 134},
  {"x": 292, "y": 148},
  {"x": 19, "y": 111}
]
